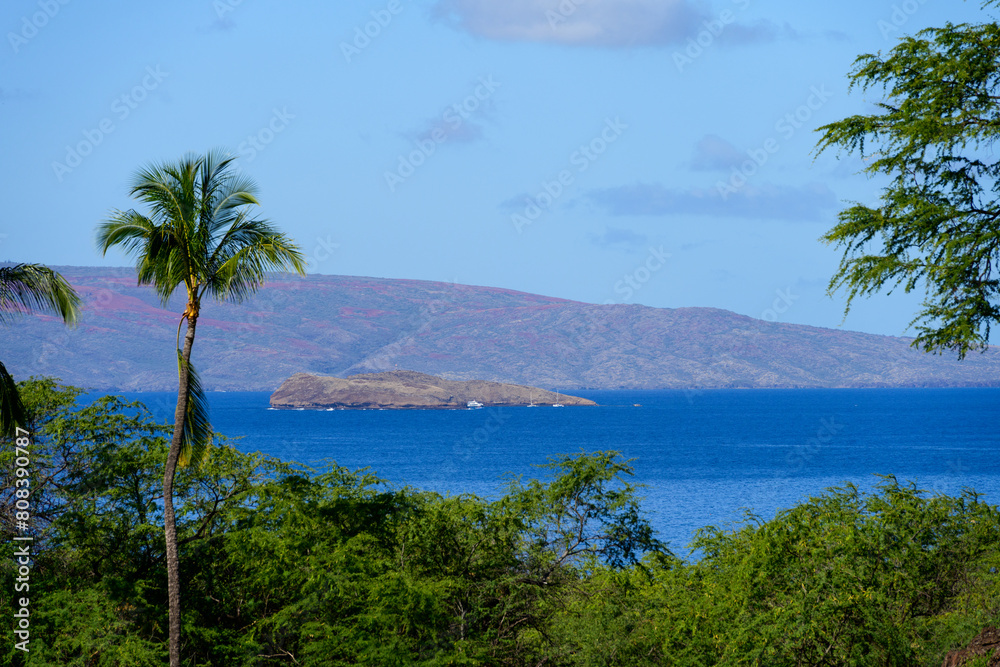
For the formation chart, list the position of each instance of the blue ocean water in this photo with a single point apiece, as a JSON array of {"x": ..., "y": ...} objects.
[{"x": 704, "y": 456}]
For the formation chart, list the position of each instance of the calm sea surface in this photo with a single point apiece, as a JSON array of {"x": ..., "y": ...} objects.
[{"x": 704, "y": 456}]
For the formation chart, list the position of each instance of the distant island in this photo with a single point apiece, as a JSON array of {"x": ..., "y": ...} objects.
[{"x": 400, "y": 390}]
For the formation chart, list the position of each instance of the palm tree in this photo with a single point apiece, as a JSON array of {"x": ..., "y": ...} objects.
[
  {"x": 199, "y": 233},
  {"x": 25, "y": 288}
]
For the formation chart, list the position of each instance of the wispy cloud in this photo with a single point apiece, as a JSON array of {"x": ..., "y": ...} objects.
[
  {"x": 222, "y": 25},
  {"x": 759, "y": 31},
  {"x": 461, "y": 121},
  {"x": 837, "y": 36},
  {"x": 846, "y": 166},
  {"x": 769, "y": 202},
  {"x": 713, "y": 153},
  {"x": 453, "y": 130},
  {"x": 620, "y": 237},
  {"x": 515, "y": 204},
  {"x": 607, "y": 23},
  {"x": 16, "y": 95}
]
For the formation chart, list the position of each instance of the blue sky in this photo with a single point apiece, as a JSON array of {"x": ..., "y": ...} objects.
[{"x": 625, "y": 151}]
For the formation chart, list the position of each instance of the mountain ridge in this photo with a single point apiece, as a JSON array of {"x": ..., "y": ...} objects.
[{"x": 347, "y": 325}]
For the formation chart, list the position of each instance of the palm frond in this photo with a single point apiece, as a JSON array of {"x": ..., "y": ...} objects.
[
  {"x": 197, "y": 435},
  {"x": 25, "y": 288},
  {"x": 214, "y": 175},
  {"x": 12, "y": 411},
  {"x": 250, "y": 250},
  {"x": 166, "y": 263},
  {"x": 158, "y": 186},
  {"x": 128, "y": 229},
  {"x": 237, "y": 190},
  {"x": 199, "y": 230},
  {"x": 155, "y": 248},
  {"x": 226, "y": 191}
]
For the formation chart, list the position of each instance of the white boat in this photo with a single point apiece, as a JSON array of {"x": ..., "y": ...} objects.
[
  {"x": 473, "y": 404},
  {"x": 557, "y": 404}
]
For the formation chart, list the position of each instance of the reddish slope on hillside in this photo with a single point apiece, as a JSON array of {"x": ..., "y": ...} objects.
[{"x": 341, "y": 325}]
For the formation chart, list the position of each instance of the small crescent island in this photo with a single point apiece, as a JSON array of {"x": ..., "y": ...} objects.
[{"x": 402, "y": 390}]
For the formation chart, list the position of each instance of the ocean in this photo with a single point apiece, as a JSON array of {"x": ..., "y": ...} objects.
[{"x": 705, "y": 457}]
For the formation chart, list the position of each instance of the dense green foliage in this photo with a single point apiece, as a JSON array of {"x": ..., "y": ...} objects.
[
  {"x": 936, "y": 226},
  {"x": 283, "y": 565}
]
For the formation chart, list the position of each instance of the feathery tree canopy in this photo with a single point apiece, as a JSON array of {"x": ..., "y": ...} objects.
[{"x": 936, "y": 227}]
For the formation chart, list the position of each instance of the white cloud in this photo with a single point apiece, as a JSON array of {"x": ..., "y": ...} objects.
[
  {"x": 775, "y": 202},
  {"x": 620, "y": 237},
  {"x": 713, "y": 153},
  {"x": 610, "y": 23}
]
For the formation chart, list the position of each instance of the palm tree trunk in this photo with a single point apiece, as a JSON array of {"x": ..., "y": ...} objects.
[{"x": 169, "y": 523}]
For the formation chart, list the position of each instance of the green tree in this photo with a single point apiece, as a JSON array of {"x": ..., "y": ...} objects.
[
  {"x": 93, "y": 480},
  {"x": 887, "y": 578},
  {"x": 25, "y": 288},
  {"x": 936, "y": 226},
  {"x": 199, "y": 233},
  {"x": 851, "y": 578},
  {"x": 588, "y": 511},
  {"x": 338, "y": 571},
  {"x": 98, "y": 587}
]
